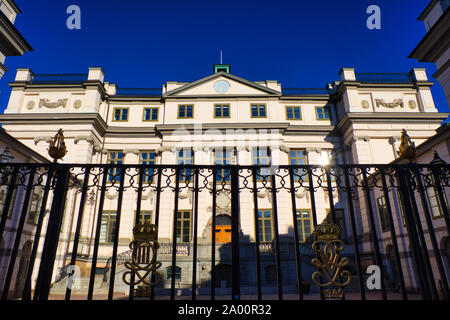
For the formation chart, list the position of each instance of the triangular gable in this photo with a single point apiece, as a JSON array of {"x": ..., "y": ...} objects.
[{"x": 238, "y": 86}]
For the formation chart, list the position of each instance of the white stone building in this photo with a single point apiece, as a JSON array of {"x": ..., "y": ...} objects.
[{"x": 219, "y": 119}]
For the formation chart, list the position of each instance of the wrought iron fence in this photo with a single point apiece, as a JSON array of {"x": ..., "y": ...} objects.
[{"x": 395, "y": 218}]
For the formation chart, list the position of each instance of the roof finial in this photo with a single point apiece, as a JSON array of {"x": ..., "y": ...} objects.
[{"x": 220, "y": 56}]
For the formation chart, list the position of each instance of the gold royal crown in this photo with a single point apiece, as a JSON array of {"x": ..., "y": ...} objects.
[
  {"x": 145, "y": 232},
  {"x": 326, "y": 231}
]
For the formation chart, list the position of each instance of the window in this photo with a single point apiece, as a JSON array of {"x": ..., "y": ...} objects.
[
  {"x": 340, "y": 222},
  {"x": 114, "y": 173},
  {"x": 401, "y": 207},
  {"x": 298, "y": 157},
  {"x": 304, "y": 223},
  {"x": 186, "y": 157},
  {"x": 261, "y": 157},
  {"x": 3, "y": 195},
  {"x": 184, "y": 219},
  {"x": 221, "y": 111},
  {"x": 177, "y": 273},
  {"x": 120, "y": 114},
  {"x": 150, "y": 114},
  {"x": 323, "y": 113},
  {"x": 258, "y": 111},
  {"x": 147, "y": 158},
  {"x": 434, "y": 202},
  {"x": 265, "y": 225},
  {"x": 293, "y": 113},
  {"x": 145, "y": 216},
  {"x": 383, "y": 214},
  {"x": 108, "y": 226},
  {"x": 185, "y": 111},
  {"x": 35, "y": 206},
  {"x": 222, "y": 157}
]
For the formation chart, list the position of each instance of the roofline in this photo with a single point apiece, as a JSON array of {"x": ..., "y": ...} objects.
[
  {"x": 21, "y": 148},
  {"x": 427, "y": 9}
]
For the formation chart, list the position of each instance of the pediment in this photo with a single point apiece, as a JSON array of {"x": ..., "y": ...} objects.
[{"x": 222, "y": 84}]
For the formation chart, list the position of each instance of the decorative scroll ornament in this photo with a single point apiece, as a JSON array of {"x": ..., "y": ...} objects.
[
  {"x": 330, "y": 274},
  {"x": 57, "y": 149},
  {"x": 390, "y": 105},
  {"x": 52, "y": 105},
  {"x": 407, "y": 148},
  {"x": 143, "y": 264}
]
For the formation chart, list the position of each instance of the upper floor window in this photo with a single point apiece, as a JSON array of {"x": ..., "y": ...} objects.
[
  {"x": 108, "y": 227},
  {"x": 293, "y": 113},
  {"x": 265, "y": 225},
  {"x": 3, "y": 194},
  {"x": 222, "y": 157},
  {"x": 145, "y": 216},
  {"x": 221, "y": 111},
  {"x": 120, "y": 114},
  {"x": 147, "y": 158},
  {"x": 383, "y": 214},
  {"x": 185, "y": 111},
  {"x": 434, "y": 202},
  {"x": 258, "y": 111},
  {"x": 114, "y": 173},
  {"x": 150, "y": 114},
  {"x": 184, "y": 222},
  {"x": 298, "y": 157},
  {"x": 185, "y": 156},
  {"x": 304, "y": 224},
  {"x": 261, "y": 156},
  {"x": 323, "y": 113},
  {"x": 35, "y": 206}
]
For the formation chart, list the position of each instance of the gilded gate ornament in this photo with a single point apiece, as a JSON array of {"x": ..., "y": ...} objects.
[
  {"x": 407, "y": 148},
  {"x": 143, "y": 264},
  {"x": 330, "y": 273},
  {"x": 57, "y": 149}
]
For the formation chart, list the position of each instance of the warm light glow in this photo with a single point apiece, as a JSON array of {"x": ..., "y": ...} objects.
[{"x": 324, "y": 159}]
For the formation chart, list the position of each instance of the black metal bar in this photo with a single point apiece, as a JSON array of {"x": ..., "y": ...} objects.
[
  {"x": 423, "y": 244},
  {"x": 442, "y": 202},
  {"x": 213, "y": 237},
  {"x": 116, "y": 236},
  {"x": 8, "y": 199},
  {"x": 430, "y": 226},
  {"x": 174, "y": 234},
  {"x": 97, "y": 235},
  {"x": 136, "y": 221},
  {"x": 27, "y": 288},
  {"x": 314, "y": 213},
  {"x": 157, "y": 205},
  {"x": 351, "y": 211},
  {"x": 194, "y": 254},
  {"x": 77, "y": 233},
  {"x": 235, "y": 226},
  {"x": 296, "y": 239},
  {"x": 394, "y": 236},
  {"x": 330, "y": 195},
  {"x": 277, "y": 237},
  {"x": 374, "y": 234},
  {"x": 52, "y": 233},
  {"x": 256, "y": 220},
  {"x": 12, "y": 261},
  {"x": 412, "y": 234}
]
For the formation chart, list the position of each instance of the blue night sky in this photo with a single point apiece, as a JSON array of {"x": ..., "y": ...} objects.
[{"x": 144, "y": 43}]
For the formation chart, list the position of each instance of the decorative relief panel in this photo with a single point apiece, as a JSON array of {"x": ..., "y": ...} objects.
[
  {"x": 391, "y": 105},
  {"x": 52, "y": 105}
]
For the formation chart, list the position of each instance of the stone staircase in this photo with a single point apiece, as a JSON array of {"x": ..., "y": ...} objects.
[{"x": 80, "y": 286}]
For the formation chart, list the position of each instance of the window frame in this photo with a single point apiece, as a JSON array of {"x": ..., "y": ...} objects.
[
  {"x": 311, "y": 225},
  {"x": 142, "y": 213},
  {"x": 383, "y": 213},
  {"x": 184, "y": 176},
  {"x": 185, "y": 111},
  {"x": 169, "y": 274},
  {"x": 297, "y": 177},
  {"x": 147, "y": 177},
  {"x": 260, "y": 176},
  {"x": 111, "y": 177},
  {"x": 221, "y": 109},
  {"x": 323, "y": 108},
  {"x": 33, "y": 220},
  {"x": 180, "y": 236},
  {"x": 261, "y": 219},
  {"x": 438, "y": 200},
  {"x": 293, "y": 113},
  {"x": 108, "y": 226},
  {"x": 151, "y": 113},
  {"x": 121, "y": 114},
  {"x": 222, "y": 175},
  {"x": 259, "y": 114}
]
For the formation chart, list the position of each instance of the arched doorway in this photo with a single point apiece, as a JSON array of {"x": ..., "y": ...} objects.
[
  {"x": 223, "y": 276},
  {"x": 223, "y": 228},
  {"x": 23, "y": 267}
]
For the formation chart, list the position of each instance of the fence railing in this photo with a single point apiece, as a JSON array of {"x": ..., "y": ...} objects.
[{"x": 395, "y": 218}]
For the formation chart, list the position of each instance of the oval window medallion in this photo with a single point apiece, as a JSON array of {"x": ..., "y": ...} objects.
[
  {"x": 221, "y": 86},
  {"x": 412, "y": 104},
  {"x": 30, "y": 105},
  {"x": 77, "y": 104},
  {"x": 365, "y": 104}
]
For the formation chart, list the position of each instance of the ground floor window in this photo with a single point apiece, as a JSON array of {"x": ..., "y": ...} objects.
[
  {"x": 265, "y": 225},
  {"x": 177, "y": 273},
  {"x": 304, "y": 223},
  {"x": 184, "y": 222}
]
